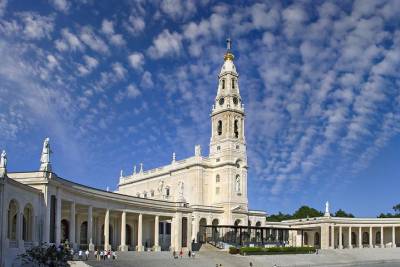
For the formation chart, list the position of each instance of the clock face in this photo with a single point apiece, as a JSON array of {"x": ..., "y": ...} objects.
[
  {"x": 235, "y": 101},
  {"x": 221, "y": 101}
]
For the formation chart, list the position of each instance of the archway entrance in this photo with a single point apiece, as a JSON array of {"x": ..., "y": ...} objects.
[
  {"x": 65, "y": 231},
  {"x": 83, "y": 233},
  {"x": 316, "y": 239},
  {"x": 27, "y": 223},
  {"x": 128, "y": 235},
  {"x": 365, "y": 238},
  {"x": 202, "y": 230},
  {"x": 214, "y": 233}
]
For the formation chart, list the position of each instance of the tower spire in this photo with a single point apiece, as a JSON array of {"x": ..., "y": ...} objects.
[{"x": 228, "y": 55}]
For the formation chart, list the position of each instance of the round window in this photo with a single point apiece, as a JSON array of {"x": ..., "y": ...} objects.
[
  {"x": 221, "y": 101},
  {"x": 235, "y": 101}
]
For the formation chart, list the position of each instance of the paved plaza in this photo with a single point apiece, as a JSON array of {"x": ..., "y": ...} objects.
[{"x": 356, "y": 257}]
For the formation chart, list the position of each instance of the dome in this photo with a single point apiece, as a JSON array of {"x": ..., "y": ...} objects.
[{"x": 228, "y": 66}]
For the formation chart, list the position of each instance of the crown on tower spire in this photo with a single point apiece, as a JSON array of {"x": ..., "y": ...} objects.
[{"x": 228, "y": 55}]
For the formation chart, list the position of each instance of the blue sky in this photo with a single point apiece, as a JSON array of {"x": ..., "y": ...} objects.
[{"x": 114, "y": 84}]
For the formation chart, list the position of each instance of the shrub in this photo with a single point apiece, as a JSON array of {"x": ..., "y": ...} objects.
[
  {"x": 45, "y": 255},
  {"x": 233, "y": 250}
]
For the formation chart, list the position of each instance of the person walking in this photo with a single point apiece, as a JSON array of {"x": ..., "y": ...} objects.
[
  {"x": 87, "y": 254},
  {"x": 80, "y": 254},
  {"x": 174, "y": 254},
  {"x": 189, "y": 254},
  {"x": 114, "y": 255},
  {"x": 181, "y": 253}
]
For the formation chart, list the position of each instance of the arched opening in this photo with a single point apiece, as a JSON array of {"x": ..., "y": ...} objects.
[
  {"x": 217, "y": 178},
  {"x": 353, "y": 238},
  {"x": 64, "y": 230},
  {"x": 378, "y": 237},
  {"x": 233, "y": 83},
  {"x": 13, "y": 209},
  {"x": 305, "y": 239},
  {"x": 215, "y": 233},
  {"x": 223, "y": 83},
  {"x": 219, "y": 129},
  {"x": 236, "y": 129},
  {"x": 27, "y": 223},
  {"x": 167, "y": 191},
  {"x": 365, "y": 238},
  {"x": 316, "y": 239},
  {"x": 237, "y": 222},
  {"x": 83, "y": 233},
  {"x": 202, "y": 230},
  {"x": 128, "y": 235}
]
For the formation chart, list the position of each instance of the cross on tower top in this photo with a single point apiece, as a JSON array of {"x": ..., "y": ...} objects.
[{"x": 228, "y": 44}]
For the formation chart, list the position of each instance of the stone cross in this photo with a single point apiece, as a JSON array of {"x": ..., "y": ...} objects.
[
  {"x": 229, "y": 44},
  {"x": 134, "y": 169},
  {"x": 141, "y": 168}
]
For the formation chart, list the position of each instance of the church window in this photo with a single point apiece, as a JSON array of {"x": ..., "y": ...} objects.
[
  {"x": 236, "y": 129},
  {"x": 233, "y": 83},
  {"x": 221, "y": 101},
  {"x": 217, "y": 178},
  {"x": 218, "y": 148},
  {"x": 219, "y": 127},
  {"x": 235, "y": 101},
  {"x": 223, "y": 83},
  {"x": 217, "y": 160},
  {"x": 217, "y": 190},
  {"x": 237, "y": 146},
  {"x": 167, "y": 191}
]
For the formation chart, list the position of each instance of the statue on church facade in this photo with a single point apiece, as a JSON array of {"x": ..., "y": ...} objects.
[
  {"x": 160, "y": 187},
  {"x": 45, "y": 163},
  {"x": 180, "y": 192},
  {"x": 3, "y": 164},
  {"x": 237, "y": 184},
  {"x": 327, "y": 213}
]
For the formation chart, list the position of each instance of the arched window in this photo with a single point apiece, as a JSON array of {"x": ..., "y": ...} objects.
[
  {"x": 378, "y": 237},
  {"x": 167, "y": 191},
  {"x": 27, "y": 223},
  {"x": 353, "y": 238},
  {"x": 305, "y": 239},
  {"x": 233, "y": 83},
  {"x": 365, "y": 238},
  {"x": 83, "y": 233},
  {"x": 236, "y": 129},
  {"x": 217, "y": 178},
  {"x": 237, "y": 184},
  {"x": 219, "y": 127},
  {"x": 223, "y": 83},
  {"x": 316, "y": 239},
  {"x": 64, "y": 230},
  {"x": 13, "y": 209}
]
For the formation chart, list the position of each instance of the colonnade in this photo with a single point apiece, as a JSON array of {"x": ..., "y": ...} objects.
[
  {"x": 54, "y": 215},
  {"x": 361, "y": 236}
]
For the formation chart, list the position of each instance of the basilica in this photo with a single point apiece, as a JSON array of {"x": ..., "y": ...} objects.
[{"x": 187, "y": 202}]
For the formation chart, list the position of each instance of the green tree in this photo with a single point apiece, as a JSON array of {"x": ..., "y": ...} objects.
[
  {"x": 342, "y": 213},
  {"x": 306, "y": 212},
  {"x": 278, "y": 217},
  {"x": 396, "y": 208}
]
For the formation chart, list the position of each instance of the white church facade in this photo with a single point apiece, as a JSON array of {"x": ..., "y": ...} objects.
[{"x": 170, "y": 207}]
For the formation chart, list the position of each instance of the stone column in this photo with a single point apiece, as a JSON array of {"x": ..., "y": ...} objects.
[
  {"x": 140, "y": 233},
  {"x": 360, "y": 237},
  {"x": 90, "y": 228},
  {"x": 393, "y": 236},
  {"x": 46, "y": 228},
  {"x": 156, "y": 233},
  {"x": 58, "y": 218},
  {"x": 177, "y": 222},
  {"x": 382, "y": 237},
  {"x": 350, "y": 245},
  {"x": 340, "y": 237},
  {"x": 123, "y": 246},
  {"x": 189, "y": 233},
  {"x": 71, "y": 237},
  {"x": 332, "y": 236},
  {"x": 195, "y": 227},
  {"x": 107, "y": 230},
  {"x": 370, "y": 237}
]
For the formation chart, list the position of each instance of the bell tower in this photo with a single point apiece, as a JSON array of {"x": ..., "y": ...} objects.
[{"x": 227, "y": 144}]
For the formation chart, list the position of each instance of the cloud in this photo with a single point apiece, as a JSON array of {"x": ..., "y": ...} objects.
[
  {"x": 136, "y": 60},
  {"x": 131, "y": 91},
  {"x": 3, "y": 6},
  {"x": 69, "y": 41},
  {"x": 178, "y": 9},
  {"x": 92, "y": 40},
  {"x": 107, "y": 27},
  {"x": 36, "y": 26},
  {"x": 135, "y": 24},
  {"x": 147, "y": 80},
  {"x": 166, "y": 44},
  {"x": 60, "y": 5},
  {"x": 119, "y": 70},
  {"x": 90, "y": 64}
]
